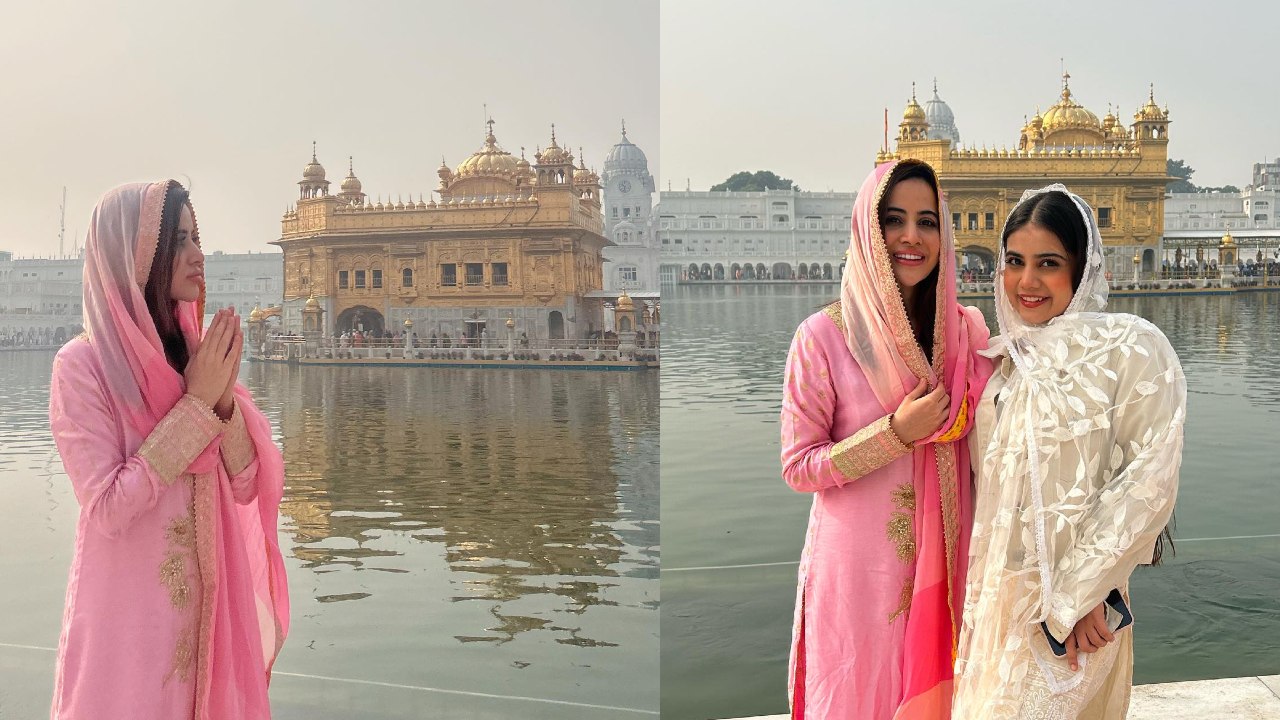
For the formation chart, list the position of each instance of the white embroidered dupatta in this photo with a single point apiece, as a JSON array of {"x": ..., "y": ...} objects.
[{"x": 1076, "y": 478}]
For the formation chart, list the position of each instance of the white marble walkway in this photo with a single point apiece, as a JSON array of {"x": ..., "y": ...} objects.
[{"x": 1247, "y": 698}]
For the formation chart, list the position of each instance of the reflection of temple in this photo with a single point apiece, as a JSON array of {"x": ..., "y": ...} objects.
[
  {"x": 507, "y": 239},
  {"x": 517, "y": 475},
  {"x": 1120, "y": 171}
]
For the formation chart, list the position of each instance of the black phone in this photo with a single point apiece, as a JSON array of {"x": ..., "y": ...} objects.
[{"x": 1118, "y": 618}]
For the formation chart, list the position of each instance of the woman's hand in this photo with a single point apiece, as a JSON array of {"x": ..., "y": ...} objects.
[
  {"x": 225, "y": 405},
  {"x": 210, "y": 369},
  {"x": 1090, "y": 634},
  {"x": 918, "y": 415}
]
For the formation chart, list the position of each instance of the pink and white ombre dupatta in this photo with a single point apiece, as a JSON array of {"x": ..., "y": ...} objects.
[{"x": 177, "y": 604}]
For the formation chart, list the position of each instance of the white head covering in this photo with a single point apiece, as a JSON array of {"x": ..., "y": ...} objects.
[{"x": 1091, "y": 296}]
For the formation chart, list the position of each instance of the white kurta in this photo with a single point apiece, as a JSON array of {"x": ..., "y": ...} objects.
[{"x": 1100, "y": 400}]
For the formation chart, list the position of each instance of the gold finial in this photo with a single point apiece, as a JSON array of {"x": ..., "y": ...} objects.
[
  {"x": 913, "y": 91},
  {"x": 553, "y": 133},
  {"x": 489, "y": 122},
  {"x": 313, "y": 151},
  {"x": 351, "y": 165},
  {"x": 1152, "y": 94},
  {"x": 624, "y": 127}
]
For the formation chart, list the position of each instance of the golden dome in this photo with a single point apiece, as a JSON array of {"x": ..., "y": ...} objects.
[
  {"x": 1037, "y": 120},
  {"x": 625, "y": 303},
  {"x": 913, "y": 112},
  {"x": 1151, "y": 111},
  {"x": 1067, "y": 113},
  {"x": 313, "y": 171},
  {"x": 312, "y": 302},
  {"x": 581, "y": 175},
  {"x": 489, "y": 160},
  {"x": 554, "y": 154},
  {"x": 255, "y": 315},
  {"x": 1227, "y": 240}
]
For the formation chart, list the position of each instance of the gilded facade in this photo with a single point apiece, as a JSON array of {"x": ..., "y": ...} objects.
[
  {"x": 506, "y": 239},
  {"x": 1121, "y": 171}
]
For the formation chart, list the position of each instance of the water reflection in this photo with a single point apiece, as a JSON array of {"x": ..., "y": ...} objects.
[{"x": 520, "y": 478}]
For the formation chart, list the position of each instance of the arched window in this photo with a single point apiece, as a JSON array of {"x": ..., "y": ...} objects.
[{"x": 406, "y": 277}]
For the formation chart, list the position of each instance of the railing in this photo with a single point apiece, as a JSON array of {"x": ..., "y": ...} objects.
[{"x": 540, "y": 350}]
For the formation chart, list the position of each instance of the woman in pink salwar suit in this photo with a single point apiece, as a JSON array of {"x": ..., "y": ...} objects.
[
  {"x": 878, "y": 396},
  {"x": 176, "y": 602}
]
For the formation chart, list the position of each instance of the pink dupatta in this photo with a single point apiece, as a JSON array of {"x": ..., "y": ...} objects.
[
  {"x": 245, "y": 604},
  {"x": 878, "y": 334}
]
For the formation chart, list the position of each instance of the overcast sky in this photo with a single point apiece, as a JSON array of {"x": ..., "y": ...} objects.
[
  {"x": 800, "y": 87},
  {"x": 231, "y": 95}
]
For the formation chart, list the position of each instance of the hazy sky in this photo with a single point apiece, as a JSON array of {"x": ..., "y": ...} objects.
[
  {"x": 231, "y": 94},
  {"x": 800, "y": 87}
]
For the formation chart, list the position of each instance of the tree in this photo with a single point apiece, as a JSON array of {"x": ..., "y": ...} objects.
[
  {"x": 1223, "y": 189},
  {"x": 754, "y": 182},
  {"x": 1183, "y": 172}
]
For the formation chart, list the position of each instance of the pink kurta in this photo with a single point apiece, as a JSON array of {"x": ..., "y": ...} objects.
[
  {"x": 856, "y": 571},
  {"x": 132, "y": 623}
]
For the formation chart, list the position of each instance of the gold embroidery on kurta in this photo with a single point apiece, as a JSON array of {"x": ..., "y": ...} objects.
[
  {"x": 901, "y": 531},
  {"x": 833, "y": 311},
  {"x": 871, "y": 448},
  {"x": 184, "y": 656},
  {"x": 182, "y": 531},
  {"x": 947, "y": 479},
  {"x": 173, "y": 575}
]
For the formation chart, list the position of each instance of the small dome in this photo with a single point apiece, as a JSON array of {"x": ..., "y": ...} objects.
[
  {"x": 312, "y": 303},
  {"x": 625, "y": 156},
  {"x": 313, "y": 171},
  {"x": 937, "y": 112},
  {"x": 1151, "y": 111},
  {"x": 255, "y": 314},
  {"x": 913, "y": 112},
  {"x": 581, "y": 175},
  {"x": 351, "y": 185},
  {"x": 942, "y": 122},
  {"x": 554, "y": 154},
  {"x": 625, "y": 303}
]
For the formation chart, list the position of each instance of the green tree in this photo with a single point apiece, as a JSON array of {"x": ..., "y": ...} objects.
[
  {"x": 754, "y": 182},
  {"x": 1183, "y": 172},
  {"x": 1224, "y": 188}
]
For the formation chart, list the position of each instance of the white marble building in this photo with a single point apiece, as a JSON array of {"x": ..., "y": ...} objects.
[
  {"x": 1196, "y": 222},
  {"x": 44, "y": 295},
  {"x": 632, "y": 264},
  {"x": 774, "y": 234}
]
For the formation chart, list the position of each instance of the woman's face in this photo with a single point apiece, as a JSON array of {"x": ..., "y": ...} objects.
[
  {"x": 1037, "y": 274},
  {"x": 188, "y": 261},
  {"x": 911, "y": 232}
]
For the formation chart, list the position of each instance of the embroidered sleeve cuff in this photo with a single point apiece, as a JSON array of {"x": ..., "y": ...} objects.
[
  {"x": 180, "y": 437},
  {"x": 1057, "y": 629},
  {"x": 237, "y": 446},
  {"x": 871, "y": 448}
]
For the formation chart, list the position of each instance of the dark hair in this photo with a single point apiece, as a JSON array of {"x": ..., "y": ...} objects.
[
  {"x": 163, "y": 308},
  {"x": 1056, "y": 212},
  {"x": 923, "y": 306}
]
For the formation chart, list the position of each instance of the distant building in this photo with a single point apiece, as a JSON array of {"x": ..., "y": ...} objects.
[
  {"x": 45, "y": 294},
  {"x": 631, "y": 264},
  {"x": 773, "y": 234}
]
